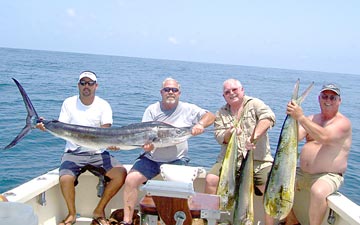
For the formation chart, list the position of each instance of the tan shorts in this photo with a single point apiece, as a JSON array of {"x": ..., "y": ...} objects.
[
  {"x": 261, "y": 171},
  {"x": 306, "y": 180}
]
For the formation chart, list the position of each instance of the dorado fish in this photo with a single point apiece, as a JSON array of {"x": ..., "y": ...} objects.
[
  {"x": 126, "y": 138},
  {"x": 279, "y": 192},
  {"x": 227, "y": 180},
  {"x": 244, "y": 204}
]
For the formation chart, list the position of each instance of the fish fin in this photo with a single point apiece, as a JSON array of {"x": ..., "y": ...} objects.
[
  {"x": 19, "y": 137},
  {"x": 305, "y": 93},
  {"x": 28, "y": 104},
  {"x": 296, "y": 90},
  {"x": 31, "y": 118}
]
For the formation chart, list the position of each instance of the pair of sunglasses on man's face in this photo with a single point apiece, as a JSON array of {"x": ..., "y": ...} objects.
[
  {"x": 233, "y": 90},
  {"x": 168, "y": 89},
  {"x": 90, "y": 83},
  {"x": 331, "y": 97}
]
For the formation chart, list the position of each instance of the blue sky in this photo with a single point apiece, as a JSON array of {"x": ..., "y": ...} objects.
[{"x": 317, "y": 35}]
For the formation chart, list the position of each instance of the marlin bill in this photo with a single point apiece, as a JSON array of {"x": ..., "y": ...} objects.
[
  {"x": 126, "y": 138},
  {"x": 279, "y": 192}
]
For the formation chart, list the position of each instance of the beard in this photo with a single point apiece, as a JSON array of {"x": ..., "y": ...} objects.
[{"x": 170, "y": 100}]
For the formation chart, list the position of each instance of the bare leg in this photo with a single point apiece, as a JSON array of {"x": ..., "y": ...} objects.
[
  {"x": 133, "y": 180},
  {"x": 318, "y": 204},
  {"x": 291, "y": 219},
  {"x": 68, "y": 192},
  {"x": 211, "y": 184},
  {"x": 117, "y": 176}
]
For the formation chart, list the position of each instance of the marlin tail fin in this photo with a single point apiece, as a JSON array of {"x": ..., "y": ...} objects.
[{"x": 31, "y": 119}]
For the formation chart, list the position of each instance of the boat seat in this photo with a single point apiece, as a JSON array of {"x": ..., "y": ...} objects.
[
  {"x": 178, "y": 173},
  {"x": 174, "y": 199},
  {"x": 200, "y": 205}
]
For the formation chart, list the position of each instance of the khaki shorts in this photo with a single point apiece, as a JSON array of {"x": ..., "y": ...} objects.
[
  {"x": 261, "y": 171},
  {"x": 306, "y": 180}
]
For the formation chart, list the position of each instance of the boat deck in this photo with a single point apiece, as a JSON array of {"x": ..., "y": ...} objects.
[{"x": 44, "y": 195}]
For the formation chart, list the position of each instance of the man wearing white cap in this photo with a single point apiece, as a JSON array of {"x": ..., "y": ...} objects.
[
  {"x": 323, "y": 158},
  {"x": 87, "y": 109}
]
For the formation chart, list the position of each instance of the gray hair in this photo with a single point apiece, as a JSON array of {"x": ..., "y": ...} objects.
[
  {"x": 170, "y": 79},
  {"x": 233, "y": 81}
]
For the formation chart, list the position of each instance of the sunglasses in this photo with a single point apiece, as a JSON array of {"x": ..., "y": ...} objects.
[
  {"x": 168, "y": 89},
  {"x": 331, "y": 97},
  {"x": 90, "y": 83},
  {"x": 227, "y": 92}
]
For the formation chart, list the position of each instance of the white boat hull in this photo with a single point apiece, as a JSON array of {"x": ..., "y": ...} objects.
[{"x": 43, "y": 194}]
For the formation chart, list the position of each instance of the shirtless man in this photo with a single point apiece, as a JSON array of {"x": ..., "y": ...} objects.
[{"x": 323, "y": 158}]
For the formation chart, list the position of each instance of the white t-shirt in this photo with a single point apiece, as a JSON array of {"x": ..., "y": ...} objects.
[
  {"x": 73, "y": 111},
  {"x": 184, "y": 115}
]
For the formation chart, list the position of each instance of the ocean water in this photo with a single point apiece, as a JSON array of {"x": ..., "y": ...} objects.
[{"x": 130, "y": 85}]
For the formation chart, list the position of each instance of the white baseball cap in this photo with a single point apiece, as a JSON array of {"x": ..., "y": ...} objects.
[{"x": 88, "y": 74}]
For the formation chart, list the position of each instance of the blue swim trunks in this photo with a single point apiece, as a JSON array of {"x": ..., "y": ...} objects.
[{"x": 150, "y": 168}]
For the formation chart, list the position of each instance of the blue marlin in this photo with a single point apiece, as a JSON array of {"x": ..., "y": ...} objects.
[
  {"x": 279, "y": 192},
  {"x": 126, "y": 138}
]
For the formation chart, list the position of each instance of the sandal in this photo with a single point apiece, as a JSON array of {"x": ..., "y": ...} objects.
[
  {"x": 64, "y": 222},
  {"x": 124, "y": 223},
  {"x": 100, "y": 221}
]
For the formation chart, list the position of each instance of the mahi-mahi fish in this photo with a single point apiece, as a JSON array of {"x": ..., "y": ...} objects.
[
  {"x": 126, "y": 138},
  {"x": 227, "y": 180},
  {"x": 244, "y": 204},
  {"x": 226, "y": 188},
  {"x": 279, "y": 193}
]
